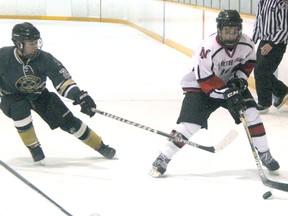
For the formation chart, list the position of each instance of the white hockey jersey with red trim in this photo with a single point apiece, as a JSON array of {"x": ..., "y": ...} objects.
[{"x": 214, "y": 66}]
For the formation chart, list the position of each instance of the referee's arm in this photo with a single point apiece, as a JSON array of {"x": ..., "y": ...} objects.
[{"x": 281, "y": 33}]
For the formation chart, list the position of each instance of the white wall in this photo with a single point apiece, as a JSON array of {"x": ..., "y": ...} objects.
[
  {"x": 181, "y": 24},
  {"x": 15, "y": 7}
]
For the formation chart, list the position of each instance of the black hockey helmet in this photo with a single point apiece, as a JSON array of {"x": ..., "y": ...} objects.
[
  {"x": 23, "y": 32},
  {"x": 229, "y": 18}
]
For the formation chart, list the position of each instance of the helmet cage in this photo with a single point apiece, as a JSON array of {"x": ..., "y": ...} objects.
[{"x": 229, "y": 18}]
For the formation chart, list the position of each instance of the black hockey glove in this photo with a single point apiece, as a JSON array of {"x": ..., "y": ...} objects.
[
  {"x": 239, "y": 83},
  {"x": 234, "y": 103},
  {"x": 86, "y": 103}
]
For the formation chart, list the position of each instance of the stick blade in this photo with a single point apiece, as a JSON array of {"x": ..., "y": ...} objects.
[{"x": 229, "y": 138}]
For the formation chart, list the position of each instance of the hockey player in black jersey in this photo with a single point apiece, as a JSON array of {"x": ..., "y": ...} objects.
[
  {"x": 24, "y": 69},
  {"x": 219, "y": 76}
]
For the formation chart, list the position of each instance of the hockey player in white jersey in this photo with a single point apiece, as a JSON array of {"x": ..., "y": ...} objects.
[{"x": 221, "y": 67}]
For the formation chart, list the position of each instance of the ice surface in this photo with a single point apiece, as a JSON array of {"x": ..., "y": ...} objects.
[{"x": 135, "y": 77}]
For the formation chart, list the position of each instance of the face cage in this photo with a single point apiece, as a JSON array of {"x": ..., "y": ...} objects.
[
  {"x": 229, "y": 44},
  {"x": 34, "y": 55}
]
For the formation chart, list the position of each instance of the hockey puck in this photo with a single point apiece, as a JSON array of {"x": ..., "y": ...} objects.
[{"x": 267, "y": 195}]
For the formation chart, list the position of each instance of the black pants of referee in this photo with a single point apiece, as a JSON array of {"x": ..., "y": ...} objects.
[{"x": 266, "y": 82}]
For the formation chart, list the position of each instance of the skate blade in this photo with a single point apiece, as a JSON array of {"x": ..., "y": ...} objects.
[
  {"x": 274, "y": 173},
  {"x": 40, "y": 163},
  {"x": 155, "y": 173}
]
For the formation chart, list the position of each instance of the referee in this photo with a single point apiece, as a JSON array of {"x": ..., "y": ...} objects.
[{"x": 271, "y": 28}]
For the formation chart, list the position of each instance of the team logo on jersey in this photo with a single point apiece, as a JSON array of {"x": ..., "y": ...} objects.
[
  {"x": 28, "y": 83},
  {"x": 203, "y": 53}
]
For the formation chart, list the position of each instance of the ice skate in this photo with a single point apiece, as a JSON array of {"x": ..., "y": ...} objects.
[
  {"x": 269, "y": 162},
  {"x": 106, "y": 151},
  {"x": 37, "y": 153},
  {"x": 280, "y": 101},
  {"x": 159, "y": 166}
]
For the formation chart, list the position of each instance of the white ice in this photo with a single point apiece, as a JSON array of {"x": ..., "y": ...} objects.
[{"x": 135, "y": 77}]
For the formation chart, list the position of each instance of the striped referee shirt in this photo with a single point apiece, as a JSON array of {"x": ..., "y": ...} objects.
[{"x": 271, "y": 22}]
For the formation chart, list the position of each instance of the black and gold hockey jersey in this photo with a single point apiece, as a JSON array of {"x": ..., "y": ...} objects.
[{"x": 19, "y": 77}]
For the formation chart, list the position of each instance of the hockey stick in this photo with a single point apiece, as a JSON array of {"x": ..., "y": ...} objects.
[
  {"x": 213, "y": 149},
  {"x": 267, "y": 182},
  {"x": 33, "y": 187}
]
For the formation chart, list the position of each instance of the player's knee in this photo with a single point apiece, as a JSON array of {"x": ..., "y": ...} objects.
[
  {"x": 20, "y": 111},
  {"x": 24, "y": 124},
  {"x": 252, "y": 115},
  {"x": 187, "y": 129},
  {"x": 76, "y": 127},
  {"x": 21, "y": 115}
]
